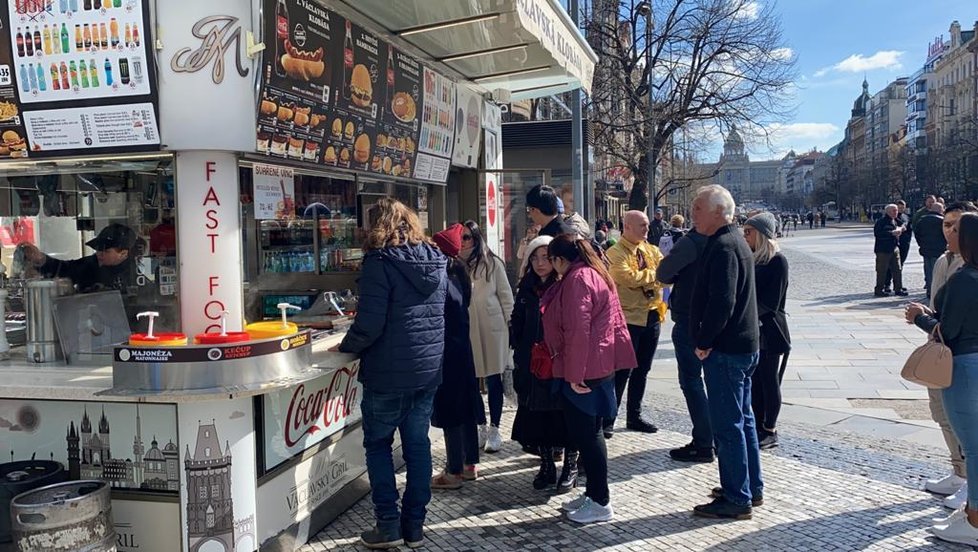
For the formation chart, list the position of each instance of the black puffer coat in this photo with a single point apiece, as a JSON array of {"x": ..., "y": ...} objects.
[{"x": 525, "y": 329}]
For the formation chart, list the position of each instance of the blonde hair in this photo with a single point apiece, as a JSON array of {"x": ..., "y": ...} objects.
[
  {"x": 393, "y": 223},
  {"x": 766, "y": 249}
]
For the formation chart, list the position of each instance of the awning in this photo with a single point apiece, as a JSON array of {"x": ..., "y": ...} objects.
[{"x": 529, "y": 47}]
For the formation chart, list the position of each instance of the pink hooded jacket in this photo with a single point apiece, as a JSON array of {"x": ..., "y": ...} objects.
[{"x": 584, "y": 327}]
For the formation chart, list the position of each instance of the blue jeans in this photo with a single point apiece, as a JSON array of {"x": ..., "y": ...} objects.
[
  {"x": 929, "y": 272},
  {"x": 409, "y": 413},
  {"x": 962, "y": 412},
  {"x": 691, "y": 382},
  {"x": 728, "y": 383}
]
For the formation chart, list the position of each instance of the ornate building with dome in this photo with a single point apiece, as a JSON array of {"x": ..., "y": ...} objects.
[{"x": 747, "y": 180}]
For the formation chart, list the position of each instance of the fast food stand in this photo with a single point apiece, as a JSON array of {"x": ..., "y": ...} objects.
[{"x": 243, "y": 143}]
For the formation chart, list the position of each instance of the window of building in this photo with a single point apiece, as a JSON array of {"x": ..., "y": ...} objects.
[
  {"x": 215, "y": 491},
  {"x": 202, "y": 492}
]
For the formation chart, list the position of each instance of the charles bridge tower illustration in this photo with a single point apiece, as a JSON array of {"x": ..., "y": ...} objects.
[{"x": 210, "y": 509}]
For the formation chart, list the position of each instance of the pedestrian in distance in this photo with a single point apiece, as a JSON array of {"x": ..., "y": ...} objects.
[
  {"x": 903, "y": 241},
  {"x": 657, "y": 227},
  {"x": 399, "y": 334},
  {"x": 672, "y": 235},
  {"x": 586, "y": 333},
  {"x": 931, "y": 243},
  {"x": 929, "y": 202},
  {"x": 956, "y": 302},
  {"x": 457, "y": 408},
  {"x": 492, "y": 305},
  {"x": 679, "y": 269},
  {"x": 771, "y": 278},
  {"x": 724, "y": 324},
  {"x": 955, "y": 485},
  {"x": 811, "y": 220},
  {"x": 539, "y": 424},
  {"x": 632, "y": 265},
  {"x": 887, "y": 231}
]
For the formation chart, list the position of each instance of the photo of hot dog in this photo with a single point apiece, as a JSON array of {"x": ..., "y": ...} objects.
[{"x": 302, "y": 64}]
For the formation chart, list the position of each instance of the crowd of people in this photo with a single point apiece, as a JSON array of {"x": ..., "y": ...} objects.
[{"x": 438, "y": 315}]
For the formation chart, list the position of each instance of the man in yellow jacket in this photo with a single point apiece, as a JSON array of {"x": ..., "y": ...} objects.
[{"x": 632, "y": 263}]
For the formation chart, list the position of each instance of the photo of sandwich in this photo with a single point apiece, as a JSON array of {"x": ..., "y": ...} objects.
[
  {"x": 268, "y": 107},
  {"x": 361, "y": 87},
  {"x": 345, "y": 157},
  {"x": 302, "y": 116},
  {"x": 316, "y": 120},
  {"x": 330, "y": 156},
  {"x": 302, "y": 64},
  {"x": 361, "y": 149},
  {"x": 403, "y": 107},
  {"x": 348, "y": 131},
  {"x": 337, "y": 129},
  {"x": 285, "y": 113}
]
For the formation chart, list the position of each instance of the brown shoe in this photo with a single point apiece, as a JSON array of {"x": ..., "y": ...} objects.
[{"x": 446, "y": 481}]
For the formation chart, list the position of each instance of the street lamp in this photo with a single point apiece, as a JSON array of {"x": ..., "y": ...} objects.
[{"x": 645, "y": 9}]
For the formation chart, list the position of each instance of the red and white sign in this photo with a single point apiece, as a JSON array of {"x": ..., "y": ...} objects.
[
  {"x": 491, "y": 202},
  {"x": 209, "y": 241},
  {"x": 309, "y": 413}
]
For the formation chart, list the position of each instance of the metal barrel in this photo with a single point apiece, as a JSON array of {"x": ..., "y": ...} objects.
[
  {"x": 42, "y": 335},
  {"x": 67, "y": 517},
  {"x": 22, "y": 476}
]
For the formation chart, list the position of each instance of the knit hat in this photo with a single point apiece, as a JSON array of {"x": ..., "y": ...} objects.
[
  {"x": 449, "y": 240},
  {"x": 765, "y": 223},
  {"x": 535, "y": 243}
]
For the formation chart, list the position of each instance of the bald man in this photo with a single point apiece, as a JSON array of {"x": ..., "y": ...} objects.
[{"x": 632, "y": 263}]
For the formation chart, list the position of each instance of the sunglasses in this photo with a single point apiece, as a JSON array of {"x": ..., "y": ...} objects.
[{"x": 466, "y": 237}]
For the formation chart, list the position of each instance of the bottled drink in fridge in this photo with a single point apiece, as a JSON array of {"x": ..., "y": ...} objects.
[{"x": 108, "y": 72}]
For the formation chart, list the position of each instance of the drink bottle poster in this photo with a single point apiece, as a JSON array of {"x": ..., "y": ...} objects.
[{"x": 13, "y": 142}]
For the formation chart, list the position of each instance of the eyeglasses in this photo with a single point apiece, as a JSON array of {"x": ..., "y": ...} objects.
[{"x": 466, "y": 237}]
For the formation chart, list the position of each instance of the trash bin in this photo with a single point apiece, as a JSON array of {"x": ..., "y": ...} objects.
[
  {"x": 22, "y": 476},
  {"x": 66, "y": 517}
]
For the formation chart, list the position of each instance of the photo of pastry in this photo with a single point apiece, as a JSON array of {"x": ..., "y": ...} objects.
[
  {"x": 285, "y": 113},
  {"x": 268, "y": 107},
  {"x": 348, "y": 131},
  {"x": 361, "y": 149},
  {"x": 302, "y": 64},
  {"x": 345, "y": 157},
  {"x": 361, "y": 87},
  {"x": 329, "y": 157},
  {"x": 302, "y": 116},
  {"x": 403, "y": 107},
  {"x": 337, "y": 129}
]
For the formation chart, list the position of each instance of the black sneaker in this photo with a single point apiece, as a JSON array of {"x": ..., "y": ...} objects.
[
  {"x": 721, "y": 508},
  {"x": 413, "y": 536},
  {"x": 717, "y": 492},
  {"x": 883, "y": 293},
  {"x": 769, "y": 441},
  {"x": 902, "y": 293},
  {"x": 640, "y": 425},
  {"x": 609, "y": 431},
  {"x": 692, "y": 453},
  {"x": 376, "y": 539}
]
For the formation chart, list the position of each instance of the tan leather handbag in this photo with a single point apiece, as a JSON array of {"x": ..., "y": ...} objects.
[{"x": 931, "y": 364}]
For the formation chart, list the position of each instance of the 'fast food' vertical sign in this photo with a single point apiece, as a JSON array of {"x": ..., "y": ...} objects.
[{"x": 208, "y": 234}]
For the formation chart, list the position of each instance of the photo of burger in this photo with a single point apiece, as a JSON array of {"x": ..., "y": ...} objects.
[
  {"x": 361, "y": 87},
  {"x": 387, "y": 165},
  {"x": 329, "y": 157},
  {"x": 345, "y": 157},
  {"x": 337, "y": 128},
  {"x": 361, "y": 149},
  {"x": 348, "y": 131},
  {"x": 12, "y": 144}
]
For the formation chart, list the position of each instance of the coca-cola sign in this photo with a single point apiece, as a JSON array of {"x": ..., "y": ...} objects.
[{"x": 309, "y": 413}]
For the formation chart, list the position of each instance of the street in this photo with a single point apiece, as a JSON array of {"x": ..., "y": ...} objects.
[{"x": 856, "y": 443}]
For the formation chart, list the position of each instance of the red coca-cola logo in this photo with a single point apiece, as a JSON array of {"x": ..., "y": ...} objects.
[
  {"x": 314, "y": 410},
  {"x": 491, "y": 203},
  {"x": 348, "y": 57},
  {"x": 282, "y": 27}
]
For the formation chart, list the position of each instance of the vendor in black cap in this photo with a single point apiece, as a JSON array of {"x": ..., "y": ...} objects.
[{"x": 111, "y": 267}]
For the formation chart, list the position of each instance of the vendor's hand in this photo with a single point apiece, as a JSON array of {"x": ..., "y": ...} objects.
[
  {"x": 702, "y": 354},
  {"x": 913, "y": 310},
  {"x": 32, "y": 254},
  {"x": 580, "y": 388}
]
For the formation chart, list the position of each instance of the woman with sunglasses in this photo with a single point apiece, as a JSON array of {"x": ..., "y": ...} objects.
[
  {"x": 585, "y": 331},
  {"x": 491, "y": 308}
]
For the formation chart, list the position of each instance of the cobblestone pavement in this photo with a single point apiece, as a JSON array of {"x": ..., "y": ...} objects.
[{"x": 846, "y": 476}]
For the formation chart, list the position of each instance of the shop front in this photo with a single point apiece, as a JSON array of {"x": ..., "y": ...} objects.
[{"x": 214, "y": 179}]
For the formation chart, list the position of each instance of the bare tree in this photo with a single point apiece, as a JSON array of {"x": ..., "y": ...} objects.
[{"x": 714, "y": 63}]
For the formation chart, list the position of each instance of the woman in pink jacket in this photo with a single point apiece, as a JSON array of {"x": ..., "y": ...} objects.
[{"x": 584, "y": 328}]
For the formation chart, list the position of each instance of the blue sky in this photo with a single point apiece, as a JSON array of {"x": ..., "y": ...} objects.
[{"x": 838, "y": 41}]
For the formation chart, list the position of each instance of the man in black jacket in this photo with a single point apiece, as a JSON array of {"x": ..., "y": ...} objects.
[
  {"x": 903, "y": 241},
  {"x": 887, "y": 231},
  {"x": 679, "y": 268},
  {"x": 542, "y": 206},
  {"x": 723, "y": 322},
  {"x": 931, "y": 244}
]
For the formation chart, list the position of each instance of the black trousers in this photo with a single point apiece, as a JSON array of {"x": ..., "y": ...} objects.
[
  {"x": 766, "y": 390},
  {"x": 644, "y": 341},
  {"x": 904, "y": 253},
  {"x": 586, "y": 434}
]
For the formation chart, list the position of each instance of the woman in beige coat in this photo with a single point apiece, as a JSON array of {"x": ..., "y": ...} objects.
[{"x": 490, "y": 310}]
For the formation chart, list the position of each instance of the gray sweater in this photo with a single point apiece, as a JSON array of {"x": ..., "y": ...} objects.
[{"x": 956, "y": 302}]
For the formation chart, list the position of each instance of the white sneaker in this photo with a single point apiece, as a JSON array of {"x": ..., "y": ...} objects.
[
  {"x": 960, "y": 531},
  {"x": 946, "y": 485},
  {"x": 591, "y": 512},
  {"x": 943, "y": 521},
  {"x": 958, "y": 499},
  {"x": 483, "y": 435},
  {"x": 574, "y": 504},
  {"x": 494, "y": 441}
]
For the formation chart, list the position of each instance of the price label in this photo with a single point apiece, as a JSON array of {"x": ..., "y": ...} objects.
[{"x": 5, "y": 79}]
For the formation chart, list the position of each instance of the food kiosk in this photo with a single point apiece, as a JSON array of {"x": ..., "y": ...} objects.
[{"x": 242, "y": 142}]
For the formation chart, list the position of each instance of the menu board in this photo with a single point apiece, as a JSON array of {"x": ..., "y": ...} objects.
[
  {"x": 437, "y": 128},
  {"x": 274, "y": 192},
  {"x": 75, "y": 77},
  {"x": 335, "y": 94}
]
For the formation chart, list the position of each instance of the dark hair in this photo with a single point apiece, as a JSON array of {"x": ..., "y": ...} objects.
[
  {"x": 968, "y": 238},
  {"x": 531, "y": 278},
  {"x": 482, "y": 256},
  {"x": 543, "y": 198},
  {"x": 898, "y": 202},
  {"x": 457, "y": 270},
  {"x": 570, "y": 249},
  {"x": 963, "y": 206}
]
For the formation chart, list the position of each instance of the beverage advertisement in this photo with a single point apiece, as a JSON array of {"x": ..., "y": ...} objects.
[
  {"x": 468, "y": 128},
  {"x": 78, "y": 49},
  {"x": 396, "y": 141},
  {"x": 274, "y": 192},
  {"x": 297, "y": 90},
  {"x": 437, "y": 128},
  {"x": 77, "y": 78}
]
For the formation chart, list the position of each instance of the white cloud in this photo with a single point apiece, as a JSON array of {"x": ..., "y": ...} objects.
[
  {"x": 800, "y": 137},
  {"x": 749, "y": 10},
  {"x": 858, "y": 63},
  {"x": 782, "y": 53}
]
